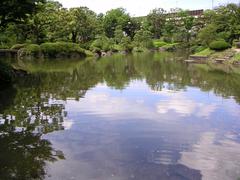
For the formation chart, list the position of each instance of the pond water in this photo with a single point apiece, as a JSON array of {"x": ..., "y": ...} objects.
[{"x": 143, "y": 117}]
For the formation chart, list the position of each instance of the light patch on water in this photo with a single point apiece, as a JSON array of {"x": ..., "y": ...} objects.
[
  {"x": 217, "y": 161},
  {"x": 185, "y": 107},
  {"x": 104, "y": 104},
  {"x": 67, "y": 124}
]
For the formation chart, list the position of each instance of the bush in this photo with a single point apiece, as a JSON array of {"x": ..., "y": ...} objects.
[
  {"x": 143, "y": 38},
  {"x": 170, "y": 47},
  {"x": 196, "y": 49},
  {"x": 158, "y": 43},
  {"x": 102, "y": 43},
  {"x": 237, "y": 44},
  {"x": 29, "y": 50},
  {"x": 237, "y": 57},
  {"x": 219, "y": 45},
  {"x": 4, "y": 46},
  {"x": 204, "y": 52},
  {"x": 33, "y": 48},
  {"x": 126, "y": 44},
  {"x": 117, "y": 48},
  {"x": 18, "y": 46},
  {"x": 140, "y": 49},
  {"x": 61, "y": 48}
]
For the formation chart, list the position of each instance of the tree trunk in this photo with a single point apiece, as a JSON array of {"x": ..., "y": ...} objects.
[{"x": 74, "y": 37}]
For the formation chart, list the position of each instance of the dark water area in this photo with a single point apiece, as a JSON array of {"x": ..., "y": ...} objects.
[{"x": 144, "y": 117}]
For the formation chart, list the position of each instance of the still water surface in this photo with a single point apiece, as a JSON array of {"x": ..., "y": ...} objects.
[{"x": 143, "y": 117}]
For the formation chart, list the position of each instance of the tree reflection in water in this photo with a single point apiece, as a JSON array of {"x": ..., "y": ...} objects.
[
  {"x": 23, "y": 154},
  {"x": 27, "y": 115}
]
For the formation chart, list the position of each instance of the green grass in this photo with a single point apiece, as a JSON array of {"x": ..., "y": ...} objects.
[
  {"x": 158, "y": 43},
  {"x": 140, "y": 49},
  {"x": 171, "y": 45},
  {"x": 205, "y": 52},
  {"x": 237, "y": 57}
]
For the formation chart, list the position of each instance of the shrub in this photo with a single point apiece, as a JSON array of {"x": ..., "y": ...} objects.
[
  {"x": 170, "y": 47},
  {"x": 158, "y": 43},
  {"x": 18, "y": 46},
  {"x": 238, "y": 44},
  {"x": 219, "y": 45},
  {"x": 61, "y": 48},
  {"x": 237, "y": 57},
  {"x": 126, "y": 44},
  {"x": 102, "y": 43},
  {"x": 86, "y": 45},
  {"x": 140, "y": 49},
  {"x": 33, "y": 48},
  {"x": 143, "y": 38},
  {"x": 88, "y": 53},
  {"x": 205, "y": 52},
  {"x": 4, "y": 46},
  {"x": 117, "y": 48},
  {"x": 197, "y": 49},
  {"x": 207, "y": 34},
  {"x": 29, "y": 50},
  {"x": 49, "y": 49}
]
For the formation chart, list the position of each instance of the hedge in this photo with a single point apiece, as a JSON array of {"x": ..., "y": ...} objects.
[{"x": 219, "y": 45}]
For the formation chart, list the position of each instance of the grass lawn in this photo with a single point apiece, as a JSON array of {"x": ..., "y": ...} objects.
[{"x": 205, "y": 52}]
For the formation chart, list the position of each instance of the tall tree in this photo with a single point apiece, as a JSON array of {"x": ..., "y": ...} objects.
[
  {"x": 82, "y": 25},
  {"x": 42, "y": 25},
  {"x": 16, "y": 11},
  {"x": 157, "y": 19},
  {"x": 114, "y": 18}
]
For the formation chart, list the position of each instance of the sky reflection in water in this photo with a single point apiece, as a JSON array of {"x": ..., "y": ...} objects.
[{"x": 138, "y": 133}]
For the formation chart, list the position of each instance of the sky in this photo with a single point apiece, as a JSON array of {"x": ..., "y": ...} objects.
[{"x": 143, "y": 7}]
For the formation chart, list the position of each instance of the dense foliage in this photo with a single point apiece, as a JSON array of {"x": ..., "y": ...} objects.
[
  {"x": 36, "y": 27},
  {"x": 219, "y": 45},
  {"x": 42, "y": 21}
]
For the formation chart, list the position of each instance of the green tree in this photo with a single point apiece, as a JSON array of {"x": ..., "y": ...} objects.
[
  {"x": 221, "y": 23},
  {"x": 207, "y": 34},
  {"x": 126, "y": 44},
  {"x": 82, "y": 24},
  {"x": 228, "y": 21},
  {"x": 143, "y": 38},
  {"x": 15, "y": 10},
  {"x": 186, "y": 26},
  {"x": 157, "y": 19},
  {"x": 118, "y": 34},
  {"x": 42, "y": 25},
  {"x": 114, "y": 18}
]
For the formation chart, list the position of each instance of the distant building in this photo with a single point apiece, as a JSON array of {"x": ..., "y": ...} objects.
[{"x": 193, "y": 13}]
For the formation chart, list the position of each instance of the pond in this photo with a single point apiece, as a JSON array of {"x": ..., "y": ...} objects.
[{"x": 144, "y": 116}]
